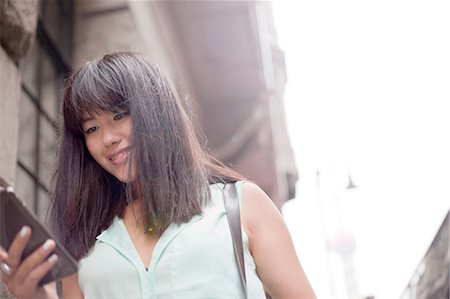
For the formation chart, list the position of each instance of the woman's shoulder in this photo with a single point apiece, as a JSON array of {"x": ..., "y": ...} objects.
[
  {"x": 256, "y": 207},
  {"x": 251, "y": 187},
  {"x": 253, "y": 195},
  {"x": 247, "y": 191}
]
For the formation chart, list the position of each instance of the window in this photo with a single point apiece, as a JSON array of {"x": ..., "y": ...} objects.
[{"x": 43, "y": 71}]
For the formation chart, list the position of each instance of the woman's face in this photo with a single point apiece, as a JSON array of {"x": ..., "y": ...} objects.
[{"x": 107, "y": 137}]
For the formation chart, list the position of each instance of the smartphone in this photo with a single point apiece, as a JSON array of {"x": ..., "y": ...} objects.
[{"x": 13, "y": 216}]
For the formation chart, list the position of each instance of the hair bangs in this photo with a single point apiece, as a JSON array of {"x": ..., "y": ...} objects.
[{"x": 93, "y": 90}]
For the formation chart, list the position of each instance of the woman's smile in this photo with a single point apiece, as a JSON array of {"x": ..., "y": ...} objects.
[{"x": 119, "y": 156}]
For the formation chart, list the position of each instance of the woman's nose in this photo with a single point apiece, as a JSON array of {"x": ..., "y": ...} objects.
[{"x": 110, "y": 138}]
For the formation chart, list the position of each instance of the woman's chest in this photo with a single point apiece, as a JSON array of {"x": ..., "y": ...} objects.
[
  {"x": 141, "y": 241},
  {"x": 191, "y": 260}
]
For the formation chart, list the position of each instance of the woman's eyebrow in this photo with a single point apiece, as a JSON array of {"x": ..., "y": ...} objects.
[{"x": 85, "y": 119}]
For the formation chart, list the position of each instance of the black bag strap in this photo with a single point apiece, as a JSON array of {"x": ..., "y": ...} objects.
[{"x": 234, "y": 220}]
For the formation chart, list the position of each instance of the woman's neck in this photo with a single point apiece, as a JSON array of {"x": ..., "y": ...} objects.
[{"x": 135, "y": 211}]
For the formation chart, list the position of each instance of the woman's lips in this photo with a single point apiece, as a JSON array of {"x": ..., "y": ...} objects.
[{"x": 120, "y": 157}]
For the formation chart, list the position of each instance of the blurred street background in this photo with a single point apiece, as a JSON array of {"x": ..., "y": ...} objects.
[{"x": 367, "y": 99}]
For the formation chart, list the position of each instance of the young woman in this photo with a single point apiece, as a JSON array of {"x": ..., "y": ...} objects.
[{"x": 140, "y": 204}]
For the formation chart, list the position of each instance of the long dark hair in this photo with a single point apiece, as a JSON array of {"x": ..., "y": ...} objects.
[{"x": 173, "y": 170}]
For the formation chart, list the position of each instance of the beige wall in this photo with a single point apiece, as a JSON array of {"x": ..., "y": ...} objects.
[
  {"x": 101, "y": 27},
  {"x": 17, "y": 23},
  {"x": 105, "y": 26},
  {"x": 9, "y": 105}
]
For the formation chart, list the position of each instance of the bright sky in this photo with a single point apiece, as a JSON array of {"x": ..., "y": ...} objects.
[{"x": 368, "y": 93}]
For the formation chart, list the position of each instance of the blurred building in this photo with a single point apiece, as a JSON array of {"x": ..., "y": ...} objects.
[
  {"x": 431, "y": 280},
  {"x": 223, "y": 57}
]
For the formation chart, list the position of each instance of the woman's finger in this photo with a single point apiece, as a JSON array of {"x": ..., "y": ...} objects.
[
  {"x": 3, "y": 257},
  {"x": 36, "y": 275},
  {"x": 17, "y": 247},
  {"x": 34, "y": 260},
  {"x": 28, "y": 287}
]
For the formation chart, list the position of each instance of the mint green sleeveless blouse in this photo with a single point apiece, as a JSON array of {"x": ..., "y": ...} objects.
[{"x": 192, "y": 260}]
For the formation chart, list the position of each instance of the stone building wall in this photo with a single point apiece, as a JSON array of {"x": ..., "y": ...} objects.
[
  {"x": 17, "y": 31},
  {"x": 431, "y": 280}
]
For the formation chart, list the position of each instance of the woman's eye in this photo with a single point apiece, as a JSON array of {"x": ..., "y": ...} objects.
[
  {"x": 90, "y": 130},
  {"x": 121, "y": 115}
]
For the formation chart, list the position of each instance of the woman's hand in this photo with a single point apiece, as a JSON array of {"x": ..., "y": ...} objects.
[{"x": 22, "y": 277}]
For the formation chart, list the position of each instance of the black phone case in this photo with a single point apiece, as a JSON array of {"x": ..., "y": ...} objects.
[{"x": 13, "y": 216}]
